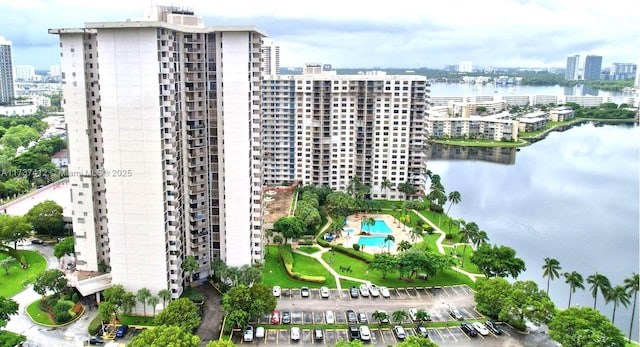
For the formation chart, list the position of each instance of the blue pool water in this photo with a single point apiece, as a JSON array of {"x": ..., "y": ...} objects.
[
  {"x": 380, "y": 227},
  {"x": 374, "y": 241},
  {"x": 349, "y": 231}
]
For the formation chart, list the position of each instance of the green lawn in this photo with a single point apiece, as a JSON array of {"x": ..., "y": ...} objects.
[
  {"x": 310, "y": 266},
  {"x": 275, "y": 274},
  {"x": 346, "y": 284},
  {"x": 38, "y": 315},
  {"x": 136, "y": 320},
  {"x": 19, "y": 278},
  {"x": 308, "y": 249}
]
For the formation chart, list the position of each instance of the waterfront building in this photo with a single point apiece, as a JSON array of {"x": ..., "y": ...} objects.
[
  {"x": 7, "y": 93},
  {"x": 496, "y": 127},
  {"x": 270, "y": 58},
  {"x": 623, "y": 71},
  {"x": 532, "y": 121},
  {"x": 561, "y": 114},
  {"x": 592, "y": 67},
  {"x": 466, "y": 109},
  {"x": 573, "y": 65},
  {"x": 465, "y": 66},
  {"x": 163, "y": 118},
  {"x": 324, "y": 129}
]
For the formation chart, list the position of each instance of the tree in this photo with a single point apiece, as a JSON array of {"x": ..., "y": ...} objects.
[
  {"x": 123, "y": 300},
  {"x": 142, "y": 295},
  {"x": 369, "y": 222},
  {"x": 182, "y": 313},
  {"x": 386, "y": 185},
  {"x": 490, "y": 295},
  {"x": 454, "y": 198},
  {"x": 255, "y": 300},
  {"x": 550, "y": 270},
  {"x": 52, "y": 280},
  {"x": 383, "y": 262},
  {"x": 14, "y": 229},
  {"x": 238, "y": 318},
  {"x": 388, "y": 241},
  {"x": 380, "y": 316},
  {"x": 108, "y": 311},
  {"x": 618, "y": 295},
  {"x": 584, "y": 327},
  {"x": 352, "y": 343},
  {"x": 403, "y": 245},
  {"x": 165, "y": 336},
  {"x": 600, "y": 283},
  {"x": 7, "y": 263},
  {"x": 220, "y": 343},
  {"x": 526, "y": 303},
  {"x": 8, "y": 307},
  {"x": 632, "y": 284},
  {"x": 575, "y": 281},
  {"x": 467, "y": 233},
  {"x": 416, "y": 233},
  {"x": 190, "y": 265},
  {"x": 408, "y": 189},
  {"x": 153, "y": 301},
  {"x": 289, "y": 227},
  {"x": 63, "y": 247},
  {"x": 249, "y": 274},
  {"x": 479, "y": 238},
  {"x": 165, "y": 295},
  {"x": 498, "y": 261},
  {"x": 46, "y": 218},
  {"x": 404, "y": 219},
  {"x": 399, "y": 316},
  {"x": 357, "y": 189},
  {"x": 417, "y": 341},
  {"x": 308, "y": 214},
  {"x": 422, "y": 316}
]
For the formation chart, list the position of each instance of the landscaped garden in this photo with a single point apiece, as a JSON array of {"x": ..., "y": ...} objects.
[{"x": 14, "y": 278}]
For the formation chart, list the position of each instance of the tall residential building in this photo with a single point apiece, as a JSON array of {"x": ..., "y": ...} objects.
[
  {"x": 592, "y": 67},
  {"x": 163, "y": 119},
  {"x": 324, "y": 129},
  {"x": 25, "y": 72},
  {"x": 270, "y": 58},
  {"x": 573, "y": 67},
  {"x": 623, "y": 71},
  {"x": 6, "y": 72},
  {"x": 465, "y": 66}
]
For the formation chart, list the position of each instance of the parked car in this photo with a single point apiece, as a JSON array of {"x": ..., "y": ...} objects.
[
  {"x": 421, "y": 330},
  {"x": 95, "y": 340},
  {"x": 331, "y": 319},
  {"x": 351, "y": 317},
  {"x": 275, "y": 317},
  {"x": 276, "y": 291},
  {"x": 248, "y": 334},
  {"x": 317, "y": 333},
  {"x": 399, "y": 331},
  {"x": 365, "y": 333},
  {"x": 295, "y": 333},
  {"x": 384, "y": 291},
  {"x": 259, "y": 333},
  {"x": 324, "y": 292},
  {"x": 480, "y": 328},
  {"x": 468, "y": 329},
  {"x": 354, "y": 332},
  {"x": 373, "y": 290},
  {"x": 304, "y": 292},
  {"x": 412, "y": 313},
  {"x": 362, "y": 317},
  {"x": 491, "y": 325},
  {"x": 455, "y": 313},
  {"x": 37, "y": 241},
  {"x": 385, "y": 320},
  {"x": 122, "y": 331},
  {"x": 286, "y": 317},
  {"x": 354, "y": 292},
  {"x": 364, "y": 290}
]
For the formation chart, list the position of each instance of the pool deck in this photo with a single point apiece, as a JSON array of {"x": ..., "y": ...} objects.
[{"x": 353, "y": 222}]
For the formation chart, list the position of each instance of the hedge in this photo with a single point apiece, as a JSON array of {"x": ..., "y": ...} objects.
[
  {"x": 287, "y": 260},
  {"x": 366, "y": 257}
]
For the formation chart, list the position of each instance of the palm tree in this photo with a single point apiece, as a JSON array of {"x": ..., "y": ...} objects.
[
  {"x": 386, "y": 185},
  {"x": 416, "y": 233},
  {"x": 380, "y": 316},
  {"x": 619, "y": 295},
  {"x": 369, "y": 222},
  {"x": 142, "y": 295},
  {"x": 423, "y": 316},
  {"x": 403, "y": 245},
  {"x": 405, "y": 219},
  {"x": 575, "y": 282},
  {"x": 454, "y": 198},
  {"x": 399, "y": 316},
  {"x": 598, "y": 282},
  {"x": 407, "y": 188},
  {"x": 550, "y": 270},
  {"x": 388, "y": 241},
  {"x": 467, "y": 233},
  {"x": 165, "y": 295},
  {"x": 153, "y": 301},
  {"x": 190, "y": 265},
  {"x": 479, "y": 238},
  {"x": 632, "y": 284}
]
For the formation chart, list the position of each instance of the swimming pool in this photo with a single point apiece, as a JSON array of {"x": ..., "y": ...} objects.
[
  {"x": 374, "y": 241},
  {"x": 349, "y": 231},
  {"x": 380, "y": 227}
]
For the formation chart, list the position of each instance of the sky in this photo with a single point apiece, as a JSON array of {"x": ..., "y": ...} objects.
[{"x": 373, "y": 33}]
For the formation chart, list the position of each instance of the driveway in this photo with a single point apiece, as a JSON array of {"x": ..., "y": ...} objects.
[{"x": 211, "y": 314}]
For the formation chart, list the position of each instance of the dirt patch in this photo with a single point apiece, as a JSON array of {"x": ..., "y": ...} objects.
[{"x": 281, "y": 204}]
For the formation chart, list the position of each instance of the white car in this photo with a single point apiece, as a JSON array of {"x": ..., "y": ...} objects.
[
  {"x": 276, "y": 291},
  {"x": 373, "y": 290},
  {"x": 295, "y": 334},
  {"x": 331, "y": 319},
  {"x": 384, "y": 291},
  {"x": 412, "y": 313},
  {"x": 248, "y": 334},
  {"x": 399, "y": 331},
  {"x": 482, "y": 330},
  {"x": 259, "y": 333},
  {"x": 364, "y": 290},
  {"x": 324, "y": 292},
  {"x": 365, "y": 333}
]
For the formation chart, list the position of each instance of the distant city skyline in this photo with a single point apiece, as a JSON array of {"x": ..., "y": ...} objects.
[{"x": 536, "y": 33}]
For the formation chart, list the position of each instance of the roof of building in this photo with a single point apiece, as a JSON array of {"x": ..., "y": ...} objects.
[{"x": 63, "y": 153}]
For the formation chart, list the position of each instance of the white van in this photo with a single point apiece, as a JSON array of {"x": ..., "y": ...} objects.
[{"x": 365, "y": 333}]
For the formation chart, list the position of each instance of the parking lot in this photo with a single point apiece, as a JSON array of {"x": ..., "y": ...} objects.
[{"x": 435, "y": 300}]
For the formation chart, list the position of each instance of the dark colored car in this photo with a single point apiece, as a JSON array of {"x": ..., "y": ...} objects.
[
  {"x": 354, "y": 332},
  {"x": 122, "y": 331},
  {"x": 354, "y": 292},
  {"x": 421, "y": 330},
  {"x": 351, "y": 317},
  {"x": 468, "y": 329},
  {"x": 95, "y": 340},
  {"x": 491, "y": 325},
  {"x": 37, "y": 241},
  {"x": 286, "y": 317}
]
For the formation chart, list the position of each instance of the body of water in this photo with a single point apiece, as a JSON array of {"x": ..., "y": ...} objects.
[{"x": 572, "y": 196}]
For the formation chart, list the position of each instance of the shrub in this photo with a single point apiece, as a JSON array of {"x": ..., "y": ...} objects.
[
  {"x": 429, "y": 229},
  {"x": 61, "y": 307},
  {"x": 62, "y": 317},
  {"x": 435, "y": 208},
  {"x": 95, "y": 326},
  {"x": 356, "y": 247},
  {"x": 366, "y": 257},
  {"x": 322, "y": 242},
  {"x": 74, "y": 297}
]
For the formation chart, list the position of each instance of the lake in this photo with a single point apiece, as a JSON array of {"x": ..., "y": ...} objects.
[{"x": 572, "y": 196}]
